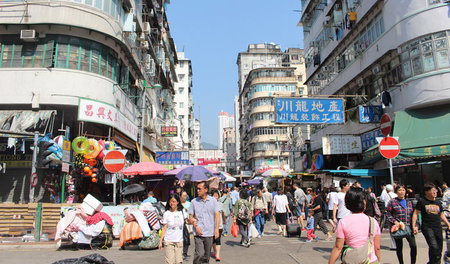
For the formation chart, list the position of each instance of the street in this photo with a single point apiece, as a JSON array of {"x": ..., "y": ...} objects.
[{"x": 269, "y": 249}]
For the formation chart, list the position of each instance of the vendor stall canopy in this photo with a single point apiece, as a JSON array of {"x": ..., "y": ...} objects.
[
  {"x": 24, "y": 121},
  {"x": 359, "y": 172}
]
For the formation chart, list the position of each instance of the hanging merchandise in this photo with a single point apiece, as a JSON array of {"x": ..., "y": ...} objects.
[
  {"x": 93, "y": 150},
  {"x": 110, "y": 145},
  {"x": 313, "y": 163},
  {"x": 55, "y": 149},
  {"x": 80, "y": 145},
  {"x": 319, "y": 161},
  {"x": 59, "y": 140},
  {"x": 101, "y": 154},
  {"x": 305, "y": 161}
]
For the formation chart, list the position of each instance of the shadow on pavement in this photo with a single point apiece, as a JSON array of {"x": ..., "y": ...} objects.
[
  {"x": 232, "y": 243},
  {"x": 322, "y": 249}
]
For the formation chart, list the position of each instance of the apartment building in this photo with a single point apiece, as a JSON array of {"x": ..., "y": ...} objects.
[
  {"x": 102, "y": 69},
  {"x": 383, "y": 57}
]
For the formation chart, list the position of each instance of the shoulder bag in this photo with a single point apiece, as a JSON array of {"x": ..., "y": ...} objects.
[{"x": 359, "y": 255}]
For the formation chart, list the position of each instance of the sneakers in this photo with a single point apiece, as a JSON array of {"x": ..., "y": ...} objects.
[
  {"x": 247, "y": 244},
  {"x": 259, "y": 236},
  {"x": 308, "y": 241},
  {"x": 317, "y": 239}
]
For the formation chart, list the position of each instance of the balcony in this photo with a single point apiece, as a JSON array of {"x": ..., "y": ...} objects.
[
  {"x": 262, "y": 109},
  {"x": 262, "y": 80}
]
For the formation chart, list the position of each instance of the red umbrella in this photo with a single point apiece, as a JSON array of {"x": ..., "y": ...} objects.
[{"x": 145, "y": 168}]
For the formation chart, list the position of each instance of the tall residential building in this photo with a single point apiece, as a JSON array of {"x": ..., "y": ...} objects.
[
  {"x": 101, "y": 68},
  {"x": 229, "y": 150},
  {"x": 236, "y": 126},
  {"x": 383, "y": 57},
  {"x": 196, "y": 143},
  {"x": 263, "y": 77},
  {"x": 225, "y": 121},
  {"x": 183, "y": 101}
]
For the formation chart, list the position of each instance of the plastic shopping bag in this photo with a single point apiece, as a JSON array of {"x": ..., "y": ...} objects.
[
  {"x": 234, "y": 230},
  {"x": 253, "y": 232}
]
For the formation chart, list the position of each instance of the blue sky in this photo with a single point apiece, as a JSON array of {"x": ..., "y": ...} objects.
[{"x": 213, "y": 32}]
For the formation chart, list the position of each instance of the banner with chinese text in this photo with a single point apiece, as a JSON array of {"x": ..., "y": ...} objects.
[
  {"x": 103, "y": 113},
  {"x": 309, "y": 111},
  {"x": 341, "y": 144},
  {"x": 173, "y": 158},
  {"x": 169, "y": 131},
  {"x": 370, "y": 113}
]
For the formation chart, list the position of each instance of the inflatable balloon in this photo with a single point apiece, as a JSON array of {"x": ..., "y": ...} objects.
[
  {"x": 94, "y": 180},
  {"x": 101, "y": 155},
  {"x": 59, "y": 141},
  {"x": 93, "y": 150},
  {"x": 110, "y": 145},
  {"x": 80, "y": 145}
]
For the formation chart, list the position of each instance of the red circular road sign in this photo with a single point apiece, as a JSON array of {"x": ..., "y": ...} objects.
[
  {"x": 114, "y": 161},
  {"x": 389, "y": 147},
  {"x": 385, "y": 124},
  {"x": 34, "y": 179}
]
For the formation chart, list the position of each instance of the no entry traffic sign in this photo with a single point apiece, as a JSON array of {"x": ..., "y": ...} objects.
[
  {"x": 385, "y": 124},
  {"x": 389, "y": 147},
  {"x": 114, "y": 161}
]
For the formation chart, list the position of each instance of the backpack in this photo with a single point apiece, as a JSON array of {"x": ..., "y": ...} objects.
[
  {"x": 291, "y": 201},
  {"x": 359, "y": 255},
  {"x": 244, "y": 211}
]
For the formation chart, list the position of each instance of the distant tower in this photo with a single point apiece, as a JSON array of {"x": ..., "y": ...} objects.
[{"x": 224, "y": 122}]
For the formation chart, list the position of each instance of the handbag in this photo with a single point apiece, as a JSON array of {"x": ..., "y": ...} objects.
[
  {"x": 401, "y": 233},
  {"x": 150, "y": 242},
  {"x": 234, "y": 230},
  {"x": 359, "y": 255}
]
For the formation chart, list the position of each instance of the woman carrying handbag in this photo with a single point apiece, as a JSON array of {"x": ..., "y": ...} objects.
[{"x": 399, "y": 213}]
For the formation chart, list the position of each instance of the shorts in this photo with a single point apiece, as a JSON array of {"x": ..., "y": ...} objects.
[
  {"x": 281, "y": 218},
  {"x": 298, "y": 210},
  {"x": 217, "y": 241}
]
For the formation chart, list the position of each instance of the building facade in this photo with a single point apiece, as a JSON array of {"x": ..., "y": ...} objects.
[
  {"x": 103, "y": 69},
  {"x": 391, "y": 57},
  {"x": 224, "y": 121},
  {"x": 266, "y": 72},
  {"x": 197, "y": 139},
  {"x": 184, "y": 102}
]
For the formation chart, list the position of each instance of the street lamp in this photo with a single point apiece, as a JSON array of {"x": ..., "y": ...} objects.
[{"x": 141, "y": 139}]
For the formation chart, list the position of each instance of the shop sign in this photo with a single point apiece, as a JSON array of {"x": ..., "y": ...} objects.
[
  {"x": 369, "y": 139},
  {"x": 169, "y": 131},
  {"x": 103, "y": 113},
  {"x": 370, "y": 113},
  {"x": 16, "y": 160},
  {"x": 341, "y": 144},
  {"x": 173, "y": 158},
  {"x": 65, "y": 167},
  {"x": 309, "y": 111},
  {"x": 203, "y": 162}
]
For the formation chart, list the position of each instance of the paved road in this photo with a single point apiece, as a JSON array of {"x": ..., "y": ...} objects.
[{"x": 269, "y": 249}]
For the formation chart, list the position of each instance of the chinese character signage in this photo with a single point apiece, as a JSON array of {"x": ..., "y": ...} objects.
[
  {"x": 370, "y": 114},
  {"x": 173, "y": 158},
  {"x": 169, "y": 131},
  {"x": 341, "y": 144},
  {"x": 309, "y": 111},
  {"x": 99, "y": 112},
  {"x": 204, "y": 162},
  {"x": 370, "y": 138}
]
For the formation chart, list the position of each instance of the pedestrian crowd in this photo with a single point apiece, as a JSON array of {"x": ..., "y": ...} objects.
[{"x": 352, "y": 213}]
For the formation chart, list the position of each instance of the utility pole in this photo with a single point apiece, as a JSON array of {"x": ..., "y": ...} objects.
[{"x": 33, "y": 167}]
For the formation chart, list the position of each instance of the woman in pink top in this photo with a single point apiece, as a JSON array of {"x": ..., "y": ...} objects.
[{"x": 353, "y": 230}]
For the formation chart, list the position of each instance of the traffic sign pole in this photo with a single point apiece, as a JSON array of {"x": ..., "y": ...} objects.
[{"x": 391, "y": 172}]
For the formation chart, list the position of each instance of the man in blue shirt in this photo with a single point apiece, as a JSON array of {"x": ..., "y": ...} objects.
[
  {"x": 234, "y": 195},
  {"x": 205, "y": 218}
]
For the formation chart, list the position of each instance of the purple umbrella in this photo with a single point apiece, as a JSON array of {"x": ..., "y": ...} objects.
[
  {"x": 254, "y": 182},
  {"x": 194, "y": 173}
]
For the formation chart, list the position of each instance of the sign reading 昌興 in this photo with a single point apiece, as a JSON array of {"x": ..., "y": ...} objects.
[
  {"x": 341, "y": 144},
  {"x": 173, "y": 158},
  {"x": 370, "y": 113},
  {"x": 99, "y": 112},
  {"x": 309, "y": 111},
  {"x": 169, "y": 131}
]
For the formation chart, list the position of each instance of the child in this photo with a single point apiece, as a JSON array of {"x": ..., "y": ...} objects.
[{"x": 310, "y": 227}]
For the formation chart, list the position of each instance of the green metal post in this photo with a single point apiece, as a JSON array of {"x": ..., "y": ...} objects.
[
  {"x": 63, "y": 186},
  {"x": 37, "y": 231}
]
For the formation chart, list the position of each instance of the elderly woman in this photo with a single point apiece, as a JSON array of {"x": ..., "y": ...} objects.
[
  {"x": 353, "y": 229},
  {"x": 399, "y": 213}
]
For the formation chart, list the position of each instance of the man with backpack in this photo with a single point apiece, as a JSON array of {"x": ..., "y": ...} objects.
[
  {"x": 242, "y": 216},
  {"x": 300, "y": 199}
]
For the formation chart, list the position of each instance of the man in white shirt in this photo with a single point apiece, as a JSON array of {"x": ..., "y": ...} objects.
[
  {"x": 339, "y": 209},
  {"x": 390, "y": 194},
  {"x": 331, "y": 197},
  {"x": 281, "y": 206}
]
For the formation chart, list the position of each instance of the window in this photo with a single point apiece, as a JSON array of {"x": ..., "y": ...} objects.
[
  {"x": 181, "y": 90},
  {"x": 180, "y": 77},
  {"x": 181, "y": 117},
  {"x": 181, "y": 105},
  {"x": 434, "y": 2}
]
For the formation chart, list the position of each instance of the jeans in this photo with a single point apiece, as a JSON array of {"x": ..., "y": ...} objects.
[
  {"x": 259, "y": 223},
  {"x": 434, "y": 239},
  {"x": 203, "y": 247},
  {"x": 243, "y": 230},
  {"x": 412, "y": 244},
  {"x": 226, "y": 226}
]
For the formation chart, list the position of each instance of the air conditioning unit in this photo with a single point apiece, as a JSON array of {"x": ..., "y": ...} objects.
[
  {"x": 376, "y": 70},
  {"x": 141, "y": 37},
  {"x": 325, "y": 69},
  {"x": 145, "y": 44},
  {"x": 360, "y": 82},
  {"x": 28, "y": 35},
  {"x": 146, "y": 27},
  {"x": 327, "y": 23}
]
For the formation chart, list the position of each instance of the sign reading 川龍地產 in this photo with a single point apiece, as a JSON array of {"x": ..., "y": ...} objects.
[{"x": 309, "y": 111}]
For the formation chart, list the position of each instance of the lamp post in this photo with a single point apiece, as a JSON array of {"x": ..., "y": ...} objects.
[{"x": 141, "y": 139}]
